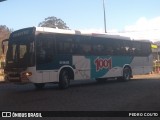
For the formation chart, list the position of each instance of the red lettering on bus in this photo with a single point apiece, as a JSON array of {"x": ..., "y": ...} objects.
[{"x": 103, "y": 63}]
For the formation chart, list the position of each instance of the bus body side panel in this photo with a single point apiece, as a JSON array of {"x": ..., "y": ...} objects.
[
  {"x": 91, "y": 67},
  {"x": 82, "y": 67},
  {"x": 42, "y": 76},
  {"x": 49, "y": 76},
  {"x": 108, "y": 66},
  {"x": 142, "y": 65},
  {"x": 49, "y": 71},
  {"x": 36, "y": 77},
  {"x": 113, "y": 72}
]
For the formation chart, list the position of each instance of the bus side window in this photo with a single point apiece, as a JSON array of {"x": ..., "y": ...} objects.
[
  {"x": 76, "y": 47},
  {"x": 127, "y": 48},
  {"x": 82, "y": 45},
  {"x": 137, "y": 48},
  {"x": 45, "y": 48},
  {"x": 146, "y": 48},
  {"x": 116, "y": 47},
  {"x": 108, "y": 47},
  {"x": 98, "y": 48},
  {"x": 65, "y": 44},
  {"x": 109, "y": 50}
]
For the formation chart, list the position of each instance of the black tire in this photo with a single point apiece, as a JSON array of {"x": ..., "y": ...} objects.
[
  {"x": 126, "y": 74},
  {"x": 64, "y": 79},
  {"x": 39, "y": 85}
]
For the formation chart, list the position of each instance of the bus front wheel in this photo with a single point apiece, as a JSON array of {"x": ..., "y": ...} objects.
[{"x": 64, "y": 79}]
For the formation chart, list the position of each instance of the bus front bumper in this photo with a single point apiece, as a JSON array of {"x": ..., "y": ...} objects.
[{"x": 16, "y": 79}]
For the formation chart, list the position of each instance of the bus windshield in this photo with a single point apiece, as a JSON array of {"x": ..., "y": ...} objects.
[{"x": 20, "y": 53}]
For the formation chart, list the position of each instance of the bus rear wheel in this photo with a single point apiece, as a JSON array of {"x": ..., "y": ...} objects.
[
  {"x": 64, "y": 79},
  {"x": 126, "y": 74}
]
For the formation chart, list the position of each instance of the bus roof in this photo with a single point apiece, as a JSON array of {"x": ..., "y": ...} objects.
[
  {"x": 25, "y": 31},
  {"x": 105, "y": 35},
  {"x": 56, "y": 30},
  {"x": 29, "y": 30},
  {"x": 143, "y": 40}
]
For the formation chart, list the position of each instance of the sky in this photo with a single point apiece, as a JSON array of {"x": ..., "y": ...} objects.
[{"x": 138, "y": 19}]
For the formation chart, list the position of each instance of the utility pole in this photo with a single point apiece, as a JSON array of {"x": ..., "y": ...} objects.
[{"x": 104, "y": 11}]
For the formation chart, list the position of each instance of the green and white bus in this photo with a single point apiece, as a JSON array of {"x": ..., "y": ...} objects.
[{"x": 46, "y": 55}]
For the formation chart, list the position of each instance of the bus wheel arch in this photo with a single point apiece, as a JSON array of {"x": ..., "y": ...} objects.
[
  {"x": 126, "y": 73},
  {"x": 65, "y": 75}
]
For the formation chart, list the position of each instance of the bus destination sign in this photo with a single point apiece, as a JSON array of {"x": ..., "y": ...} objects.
[{"x": 22, "y": 32}]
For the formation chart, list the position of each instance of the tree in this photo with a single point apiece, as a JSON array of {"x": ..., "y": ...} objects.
[
  {"x": 4, "y": 34},
  {"x": 53, "y": 22}
]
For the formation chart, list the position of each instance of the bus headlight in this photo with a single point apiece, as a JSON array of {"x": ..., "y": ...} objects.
[{"x": 27, "y": 74}]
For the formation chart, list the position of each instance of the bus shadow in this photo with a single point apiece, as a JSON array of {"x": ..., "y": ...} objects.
[
  {"x": 81, "y": 83},
  {"x": 74, "y": 84},
  {"x": 94, "y": 83},
  {"x": 86, "y": 83}
]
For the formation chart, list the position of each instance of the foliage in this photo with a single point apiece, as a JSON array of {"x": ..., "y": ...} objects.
[
  {"x": 53, "y": 22},
  {"x": 4, "y": 34}
]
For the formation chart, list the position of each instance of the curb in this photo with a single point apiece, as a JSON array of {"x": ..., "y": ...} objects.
[{"x": 148, "y": 76}]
